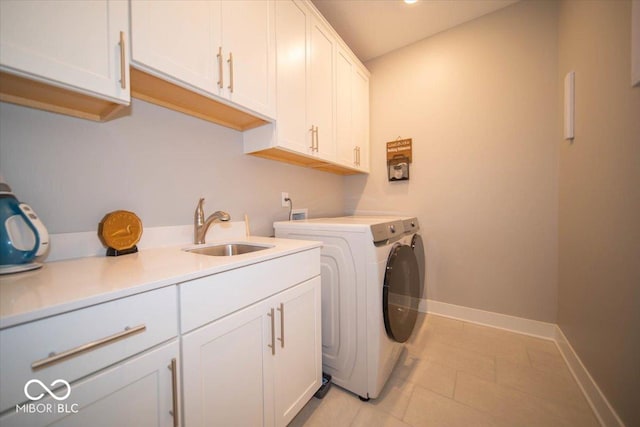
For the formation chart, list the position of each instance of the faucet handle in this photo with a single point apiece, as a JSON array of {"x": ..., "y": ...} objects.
[{"x": 199, "y": 213}]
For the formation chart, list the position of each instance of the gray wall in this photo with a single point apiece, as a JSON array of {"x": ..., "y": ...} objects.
[
  {"x": 599, "y": 208},
  {"x": 479, "y": 102},
  {"x": 155, "y": 162}
]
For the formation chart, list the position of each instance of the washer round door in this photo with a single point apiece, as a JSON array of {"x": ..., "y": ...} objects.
[
  {"x": 401, "y": 292},
  {"x": 418, "y": 250}
]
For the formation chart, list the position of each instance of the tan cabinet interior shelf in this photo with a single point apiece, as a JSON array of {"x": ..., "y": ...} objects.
[
  {"x": 300, "y": 160},
  {"x": 30, "y": 93},
  {"x": 161, "y": 92}
]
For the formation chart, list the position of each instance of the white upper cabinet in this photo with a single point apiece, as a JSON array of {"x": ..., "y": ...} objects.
[
  {"x": 321, "y": 89},
  {"x": 304, "y": 52},
  {"x": 346, "y": 151},
  {"x": 319, "y": 121},
  {"x": 81, "y": 47},
  {"x": 248, "y": 43},
  {"x": 70, "y": 43},
  {"x": 292, "y": 25},
  {"x": 220, "y": 48},
  {"x": 352, "y": 112},
  {"x": 176, "y": 38},
  {"x": 360, "y": 118}
]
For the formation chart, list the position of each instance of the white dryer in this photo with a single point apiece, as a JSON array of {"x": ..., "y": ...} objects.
[{"x": 371, "y": 286}]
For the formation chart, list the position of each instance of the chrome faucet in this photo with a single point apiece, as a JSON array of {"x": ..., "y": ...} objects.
[{"x": 200, "y": 226}]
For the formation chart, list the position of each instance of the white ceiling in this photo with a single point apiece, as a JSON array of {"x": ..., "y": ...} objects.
[{"x": 372, "y": 28}]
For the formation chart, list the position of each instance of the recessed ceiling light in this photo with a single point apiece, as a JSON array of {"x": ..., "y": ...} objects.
[{"x": 410, "y": 1}]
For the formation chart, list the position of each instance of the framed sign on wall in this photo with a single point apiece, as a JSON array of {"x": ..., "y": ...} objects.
[{"x": 399, "y": 157}]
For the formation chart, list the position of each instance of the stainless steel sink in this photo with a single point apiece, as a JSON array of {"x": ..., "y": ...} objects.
[{"x": 228, "y": 249}]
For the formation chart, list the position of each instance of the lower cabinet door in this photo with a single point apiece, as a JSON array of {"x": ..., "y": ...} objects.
[
  {"x": 298, "y": 359},
  {"x": 223, "y": 371},
  {"x": 138, "y": 392}
]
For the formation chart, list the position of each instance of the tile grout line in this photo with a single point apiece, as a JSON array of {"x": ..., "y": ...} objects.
[
  {"x": 481, "y": 411},
  {"x": 355, "y": 417}
]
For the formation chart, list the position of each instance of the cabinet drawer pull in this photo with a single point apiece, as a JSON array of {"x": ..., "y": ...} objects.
[
  {"x": 230, "y": 61},
  {"x": 219, "y": 56},
  {"x": 281, "y": 339},
  {"x": 273, "y": 333},
  {"x": 68, "y": 354},
  {"x": 123, "y": 68},
  {"x": 174, "y": 391}
]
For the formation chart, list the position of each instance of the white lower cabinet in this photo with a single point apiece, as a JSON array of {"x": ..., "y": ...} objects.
[
  {"x": 110, "y": 364},
  {"x": 298, "y": 352},
  {"x": 249, "y": 354},
  {"x": 138, "y": 392},
  {"x": 258, "y": 366}
]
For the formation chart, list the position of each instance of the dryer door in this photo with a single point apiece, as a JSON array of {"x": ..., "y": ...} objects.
[
  {"x": 401, "y": 292},
  {"x": 418, "y": 250}
]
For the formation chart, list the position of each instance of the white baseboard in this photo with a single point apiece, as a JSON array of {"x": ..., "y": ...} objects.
[
  {"x": 605, "y": 413},
  {"x": 597, "y": 400},
  {"x": 496, "y": 320}
]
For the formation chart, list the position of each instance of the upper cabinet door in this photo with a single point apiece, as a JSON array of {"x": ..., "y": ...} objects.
[
  {"x": 321, "y": 89},
  {"x": 178, "y": 39},
  {"x": 352, "y": 112},
  {"x": 248, "y": 43},
  {"x": 345, "y": 147},
  {"x": 79, "y": 45},
  {"x": 291, "y": 43},
  {"x": 219, "y": 48},
  {"x": 360, "y": 115}
]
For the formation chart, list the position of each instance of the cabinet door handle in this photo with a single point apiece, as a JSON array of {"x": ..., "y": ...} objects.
[
  {"x": 123, "y": 68},
  {"x": 230, "y": 61},
  {"x": 174, "y": 392},
  {"x": 59, "y": 357},
  {"x": 313, "y": 136},
  {"x": 358, "y": 156},
  {"x": 317, "y": 140},
  {"x": 355, "y": 156},
  {"x": 281, "y": 339},
  {"x": 220, "y": 78},
  {"x": 273, "y": 332}
]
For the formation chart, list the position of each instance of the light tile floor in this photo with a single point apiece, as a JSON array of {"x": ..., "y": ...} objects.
[{"x": 453, "y": 373}]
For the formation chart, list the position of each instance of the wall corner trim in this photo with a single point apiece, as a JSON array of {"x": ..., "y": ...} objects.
[{"x": 596, "y": 399}]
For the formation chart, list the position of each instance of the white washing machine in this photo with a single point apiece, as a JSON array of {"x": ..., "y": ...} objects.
[{"x": 371, "y": 286}]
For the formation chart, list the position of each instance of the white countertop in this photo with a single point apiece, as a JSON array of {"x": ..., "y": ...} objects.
[{"x": 62, "y": 286}]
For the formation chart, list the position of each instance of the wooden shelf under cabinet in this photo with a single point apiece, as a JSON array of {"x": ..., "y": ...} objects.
[
  {"x": 169, "y": 95},
  {"x": 300, "y": 160},
  {"x": 31, "y": 93}
]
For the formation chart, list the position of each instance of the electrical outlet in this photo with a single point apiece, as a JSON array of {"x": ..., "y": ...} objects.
[{"x": 283, "y": 199}]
